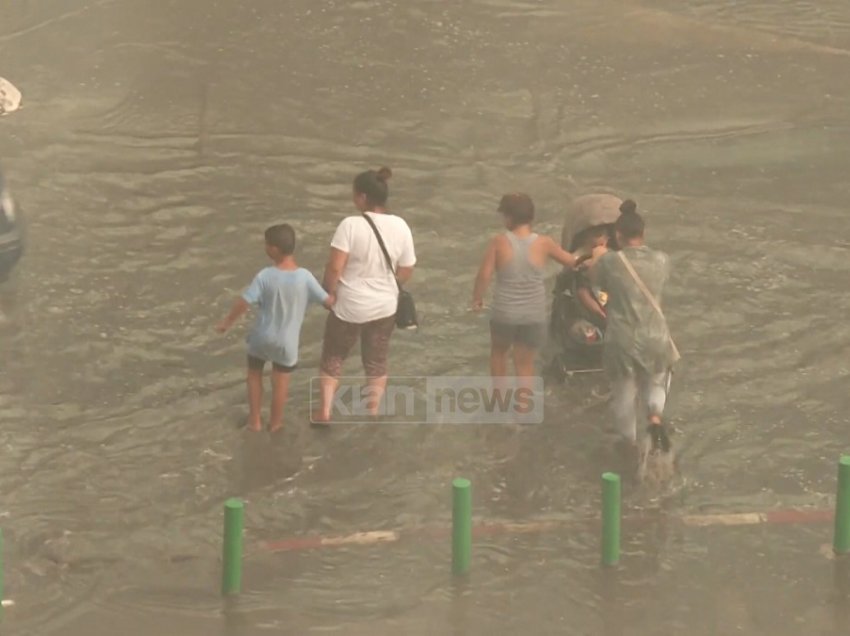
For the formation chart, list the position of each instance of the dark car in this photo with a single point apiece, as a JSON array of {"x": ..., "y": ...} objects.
[{"x": 11, "y": 232}]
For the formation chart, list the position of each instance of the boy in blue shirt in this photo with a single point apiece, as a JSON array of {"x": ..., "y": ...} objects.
[{"x": 281, "y": 294}]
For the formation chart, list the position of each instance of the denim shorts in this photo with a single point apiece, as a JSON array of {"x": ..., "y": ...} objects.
[{"x": 257, "y": 364}]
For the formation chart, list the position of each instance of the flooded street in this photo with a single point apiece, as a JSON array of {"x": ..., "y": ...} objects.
[{"x": 156, "y": 141}]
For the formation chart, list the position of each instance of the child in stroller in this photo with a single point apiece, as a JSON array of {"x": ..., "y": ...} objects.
[{"x": 577, "y": 323}]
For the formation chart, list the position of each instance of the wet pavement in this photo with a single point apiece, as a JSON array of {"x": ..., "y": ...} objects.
[{"x": 157, "y": 140}]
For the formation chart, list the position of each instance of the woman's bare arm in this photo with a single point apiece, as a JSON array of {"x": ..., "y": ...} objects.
[
  {"x": 556, "y": 252},
  {"x": 334, "y": 269},
  {"x": 485, "y": 274},
  {"x": 403, "y": 274}
]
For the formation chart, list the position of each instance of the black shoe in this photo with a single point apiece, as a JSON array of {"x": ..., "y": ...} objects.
[{"x": 660, "y": 438}]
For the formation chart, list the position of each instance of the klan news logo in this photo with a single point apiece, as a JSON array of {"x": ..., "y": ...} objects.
[{"x": 437, "y": 400}]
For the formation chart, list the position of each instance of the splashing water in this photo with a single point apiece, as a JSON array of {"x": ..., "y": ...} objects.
[{"x": 655, "y": 469}]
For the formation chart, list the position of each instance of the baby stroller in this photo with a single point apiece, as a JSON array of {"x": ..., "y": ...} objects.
[
  {"x": 11, "y": 239},
  {"x": 577, "y": 335}
]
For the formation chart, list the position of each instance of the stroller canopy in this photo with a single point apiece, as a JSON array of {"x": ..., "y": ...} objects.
[{"x": 586, "y": 212}]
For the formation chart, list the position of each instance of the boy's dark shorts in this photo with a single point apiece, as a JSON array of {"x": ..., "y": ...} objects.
[
  {"x": 531, "y": 335},
  {"x": 258, "y": 364}
]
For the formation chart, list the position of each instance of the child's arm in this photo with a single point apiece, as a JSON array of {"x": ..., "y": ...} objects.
[
  {"x": 590, "y": 264},
  {"x": 554, "y": 251},
  {"x": 598, "y": 252},
  {"x": 319, "y": 295},
  {"x": 334, "y": 269},
  {"x": 237, "y": 311},
  {"x": 589, "y": 301},
  {"x": 251, "y": 296},
  {"x": 485, "y": 274}
]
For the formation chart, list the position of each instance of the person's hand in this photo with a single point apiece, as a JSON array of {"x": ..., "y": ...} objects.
[
  {"x": 222, "y": 327},
  {"x": 477, "y": 304},
  {"x": 598, "y": 251}
]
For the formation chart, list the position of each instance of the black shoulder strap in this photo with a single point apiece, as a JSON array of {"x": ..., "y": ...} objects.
[{"x": 383, "y": 247}]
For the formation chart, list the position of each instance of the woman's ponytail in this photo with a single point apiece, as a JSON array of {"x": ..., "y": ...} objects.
[
  {"x": 373, "y": 183},
  {"x": 628, "y": 207},
  {"x": 630, "y": 225}
]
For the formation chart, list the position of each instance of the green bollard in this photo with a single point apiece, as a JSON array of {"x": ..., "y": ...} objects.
[
  {"x": 461, "y": 525},
  {"x": 841, "y": 541},
  {"x": 610, "y": 519},
  {"x": 231, "y": 574}
]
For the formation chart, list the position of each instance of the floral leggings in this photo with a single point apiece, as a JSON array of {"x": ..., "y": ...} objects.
[{"x": 340, "y": 337}]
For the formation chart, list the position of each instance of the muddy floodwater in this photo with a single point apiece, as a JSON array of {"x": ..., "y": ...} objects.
[{"x": 157, "y": 139}]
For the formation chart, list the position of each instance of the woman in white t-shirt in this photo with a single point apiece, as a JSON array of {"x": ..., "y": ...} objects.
[{"x": 358, "y": 275}]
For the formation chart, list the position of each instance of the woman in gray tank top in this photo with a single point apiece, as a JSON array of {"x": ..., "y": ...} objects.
[{"x": 518, "y": 315}]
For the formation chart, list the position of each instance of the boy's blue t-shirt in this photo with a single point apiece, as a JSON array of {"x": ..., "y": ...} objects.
[{"x": 281, "y": 298}]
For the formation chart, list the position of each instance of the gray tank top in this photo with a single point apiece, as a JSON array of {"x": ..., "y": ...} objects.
[{"x": 519, "y": 297}]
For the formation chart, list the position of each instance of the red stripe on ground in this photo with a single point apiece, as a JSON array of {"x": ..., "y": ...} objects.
[
  {"x": 488, "y": 529},
  {"x": 780, "y": 517},
  {"x": 295, "y": 543}
]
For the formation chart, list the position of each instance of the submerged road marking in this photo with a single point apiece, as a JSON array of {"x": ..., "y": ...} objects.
[
  {"x": 733, "y": 519},
  {"x": 490, "y": 528}
]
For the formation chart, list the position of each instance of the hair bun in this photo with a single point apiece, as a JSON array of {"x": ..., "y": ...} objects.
[
  {"x": 628, "y": 207},
  {"x": 384, "y": 173}
]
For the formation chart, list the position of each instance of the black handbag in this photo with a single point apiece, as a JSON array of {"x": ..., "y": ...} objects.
[{"x": 405, "y": 314}]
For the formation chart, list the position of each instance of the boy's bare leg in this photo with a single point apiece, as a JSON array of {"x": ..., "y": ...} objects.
[
  {"x": 255, "y": 399},
  {"x": 280, "y": 394}
]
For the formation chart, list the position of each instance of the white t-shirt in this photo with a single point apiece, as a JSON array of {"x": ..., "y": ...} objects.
[{"x": 367, "y": 289}]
